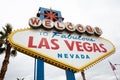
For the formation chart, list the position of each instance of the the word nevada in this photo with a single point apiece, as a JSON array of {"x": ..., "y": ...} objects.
[{"x": 36, "y": 23}]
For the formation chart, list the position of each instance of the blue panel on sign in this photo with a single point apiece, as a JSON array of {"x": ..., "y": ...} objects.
[{"x": 50, "y": 14}]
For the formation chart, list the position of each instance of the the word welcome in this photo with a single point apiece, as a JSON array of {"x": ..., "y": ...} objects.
[{"x": 36, "y": 23}]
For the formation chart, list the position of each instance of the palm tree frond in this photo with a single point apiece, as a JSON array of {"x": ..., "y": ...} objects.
[
  {"x": 2, "y": 41},
  {"x": 1, "y": 33},
  {"x": 2, "y": 50},
  {"x": 6, "y": 33},
  {"x": 8, "y": 28},
  {"x": 13, "y": 53},
  {"x": 4, "y": 28},
  {"x": 1, "y": 45}
]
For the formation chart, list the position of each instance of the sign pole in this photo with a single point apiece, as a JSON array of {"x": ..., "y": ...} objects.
[
  {"x": 83, "y": 75},
  {"x": 115, "y": 75},
  {"x": 40, "y": 69},
  {"x": 70, "y": 75},
  {"x": 35, "y": 69}
]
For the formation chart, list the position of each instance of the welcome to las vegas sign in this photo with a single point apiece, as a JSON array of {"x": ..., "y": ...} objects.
[{"x": 60, "y": 45}]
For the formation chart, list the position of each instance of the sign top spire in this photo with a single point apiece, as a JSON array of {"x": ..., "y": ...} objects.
[{"x": 53, "y": 15}]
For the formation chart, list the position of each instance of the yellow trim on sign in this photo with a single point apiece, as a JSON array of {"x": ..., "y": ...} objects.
[
  {"x": 93, "y": 62},
  {"x": 51, "y": 60}
]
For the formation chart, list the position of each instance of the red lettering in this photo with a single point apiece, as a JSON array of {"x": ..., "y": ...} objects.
[
  {"x": 69, "y": 26},
  {"x": 80, "y": 28},
  {"x": 89, "y": 29},
  {"x": 56, "y": 46},
  {"x": 87, "y": 46},
  {"x": 47, "y": 23},
  {"x": 70, "y": 46},
  {"x": 98, "y": 31},
  {"x": 30, "y": 43},
  {"x": 44, "y": 43},
  {"x": 103, "y": 48},
  {"x": 35, "y": 21},
  {"x": 96, "y": 48},
  {"x": 79, "y": 46},
  {"x": 59, "y": 25}
]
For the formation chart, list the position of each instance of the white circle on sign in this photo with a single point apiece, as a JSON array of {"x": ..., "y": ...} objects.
[
  {"x": 47, "y": 23},
  {"x": 59, "y": 25},
  {"x": 35, "y": 22}
]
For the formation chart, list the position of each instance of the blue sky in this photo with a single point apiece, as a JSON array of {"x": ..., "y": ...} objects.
[{"x": 102, "y": 13}]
